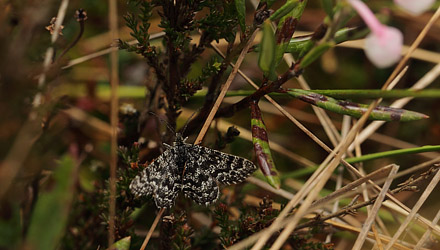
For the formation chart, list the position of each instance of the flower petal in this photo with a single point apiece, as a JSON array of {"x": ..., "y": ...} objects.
[
  {"x": 415, "y": 7},
  {"x": 384, "y": 49}
]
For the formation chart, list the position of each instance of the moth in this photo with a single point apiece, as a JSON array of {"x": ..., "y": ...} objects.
[{"x": 194, "y": 170}]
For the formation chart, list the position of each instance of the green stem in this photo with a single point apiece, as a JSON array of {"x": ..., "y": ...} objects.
[
  {"x": 377, "y": 93},
  {"x": 405, "y": 151},
  {"x": 103, "y": 91},
  {"x": 368, "y": 157}
]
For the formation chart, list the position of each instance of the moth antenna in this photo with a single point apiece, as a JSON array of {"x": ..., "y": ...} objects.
[
  {"x": 189, "y": 119},
  {"x": 164, "y": 121}
]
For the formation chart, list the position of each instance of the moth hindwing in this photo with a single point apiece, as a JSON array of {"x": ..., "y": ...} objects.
[{"x": 195, "y": 170}]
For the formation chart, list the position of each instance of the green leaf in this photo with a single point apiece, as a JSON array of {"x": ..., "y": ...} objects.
[
  {"x": 49, "y": 218},
  {"x": 122, "y": 244},
  {"x": 284, "y": 10},
  {"x": 261, "y": 147},
  {"x": 355, "y": 109},
  {"x": 377, "y": 93},
  {"x": 240, "y": 5},
  {"x": 285, "y": 30},
  {"x": 267, "y": 50},
  {"x": 315, "y": 53},
  {"x": 327, "y": 5},
  {"x": 299, "y": 46}
]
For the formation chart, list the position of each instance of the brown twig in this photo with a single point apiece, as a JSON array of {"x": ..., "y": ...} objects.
[
  {"x": 151, "y": 230},
  {"x": 114, "y": 81},
  {"x": 214, "y": 84},
  {"x": 225, "y": 88}
]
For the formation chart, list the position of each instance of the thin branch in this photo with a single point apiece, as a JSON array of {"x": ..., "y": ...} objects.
[
  {"x": 114, "y": 103},
  {"x": 151, "y": 230},
  {"x": 225, "y": 88}
]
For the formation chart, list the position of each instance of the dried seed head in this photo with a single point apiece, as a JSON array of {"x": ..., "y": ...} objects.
[
  {"x": 51, "y": 27},
  {"x": 80, "y": 15}
]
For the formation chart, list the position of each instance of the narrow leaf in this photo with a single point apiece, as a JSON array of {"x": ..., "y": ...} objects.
[
  {"x": 377, "y": 93},
  {"x": 327, "y": 5},
  {"x": 240, "y": 6},
  {"x": 261, "y": 147},
  {"x": 122, "y": 244},
  {"x": 267, "y": 50},
  {"x": 51, "y": 210},
  {"x": 284, "y": 10},
  {"x": 299, "y": 46},
  {"x": 315, "y": 53},
  {"x": 284, "y": 33},
  {"x": 355, "y": 109}
]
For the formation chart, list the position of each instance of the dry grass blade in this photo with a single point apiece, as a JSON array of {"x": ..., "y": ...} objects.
[
  {"x": 314, "y": 185},
  {"x": 114, "y": 81},
  {"x": 428, "y": 232},
  {"x": 378, "y": 174},
  {"x": 105, "y": 52},
  {"x": 265, "y": 185},
  {"x": 369, "y": 234},
  {"x": 377, "y": 204},
  {"x": 415, "y": 209},
  {"x": 377, "y": 237},
  {"x": 151, "y": 230},
  {"x": 225, "y": 88},
  {"x": 89, "y": 121}
]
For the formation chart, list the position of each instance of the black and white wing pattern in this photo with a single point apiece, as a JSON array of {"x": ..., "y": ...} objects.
[
  {"x": 160, "y": 179},
  {"x": 225, "y": 168},
  {"x": 206, "y": 167},
  {"x": 199, "y": 186},
  {"x": 195, "y": 170}
]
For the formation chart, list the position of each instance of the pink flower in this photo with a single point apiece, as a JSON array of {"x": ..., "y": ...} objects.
[
  {"x": 415, "y": 7},
  {"x": 383, "y": 45}
]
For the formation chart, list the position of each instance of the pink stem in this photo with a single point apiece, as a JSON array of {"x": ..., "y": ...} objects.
[{"x": 368, "y": 16}]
